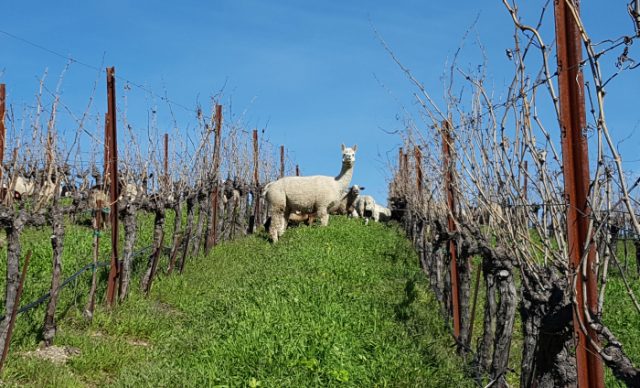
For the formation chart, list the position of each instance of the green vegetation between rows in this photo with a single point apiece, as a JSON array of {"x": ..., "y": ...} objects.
[{"x": 341, "y": 305}]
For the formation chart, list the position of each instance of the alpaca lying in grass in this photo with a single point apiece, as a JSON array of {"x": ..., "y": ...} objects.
[{"x": 307, "y": 195}]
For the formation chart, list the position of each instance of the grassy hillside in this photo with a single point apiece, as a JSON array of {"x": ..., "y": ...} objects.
[{"x": 342, "y": 305}]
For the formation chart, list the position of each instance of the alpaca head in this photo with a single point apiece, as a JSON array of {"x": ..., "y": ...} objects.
[
  {"x": 349, "y": 154},
  {"x": 355, "y": 190}
]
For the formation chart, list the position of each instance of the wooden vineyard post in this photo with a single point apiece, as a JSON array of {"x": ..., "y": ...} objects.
[
  {"x": 3, "y": 130},
  {"x": 166, "y": 162},
  {"x": 255, "y": 218},
  {"x": 447, "y": 164},
  {"x": 281, "y": 161},
  {"x": 575, "y": 165},
  {"x": 418, "y": 156},
  {"x": 405, "y": 170}
]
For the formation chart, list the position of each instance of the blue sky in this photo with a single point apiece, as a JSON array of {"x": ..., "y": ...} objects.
[{"x": 312, "y": 73}]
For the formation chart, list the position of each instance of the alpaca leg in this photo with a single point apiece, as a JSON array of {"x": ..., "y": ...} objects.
[
  {"x": 283, "y": 227},
  {"x": 283, "y": 223},
  {"x": 323, "y": 215},
  {"x": 276, "y": 220}
]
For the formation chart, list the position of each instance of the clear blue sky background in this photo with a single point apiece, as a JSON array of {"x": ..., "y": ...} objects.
[{"x": 312, "y": 73}]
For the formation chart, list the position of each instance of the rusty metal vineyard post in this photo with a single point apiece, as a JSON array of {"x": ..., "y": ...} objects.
[
  {"x": 107, "y": 141},
  {"x": 112, "y": 142},
  {"x": 447, "y": 165},
  {"x": 575, "y": 164},
  {"x": 211, "y": 239}
]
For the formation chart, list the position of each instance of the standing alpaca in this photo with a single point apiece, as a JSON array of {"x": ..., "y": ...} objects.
[{"x": 308, "y": 194}]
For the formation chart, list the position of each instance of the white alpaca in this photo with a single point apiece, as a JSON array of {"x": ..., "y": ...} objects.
[
  {"x": 310, "y": 194},
  {"x": 381, "y": 213},
  {"x": 23, "y": 186},
  {"x": 344, "y": 207},
  {"x": 364, "y": 206}
]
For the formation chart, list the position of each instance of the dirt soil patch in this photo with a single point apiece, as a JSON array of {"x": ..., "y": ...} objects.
[{"x": 56, "y": 354}]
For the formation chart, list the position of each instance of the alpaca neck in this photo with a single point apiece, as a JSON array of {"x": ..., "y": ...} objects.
[{"x": 344, "y": 178}]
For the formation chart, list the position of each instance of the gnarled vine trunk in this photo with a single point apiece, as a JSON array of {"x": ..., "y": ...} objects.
[
  {"x": 57, "y": 243},
  {"x": 158, "y": 238},
  {"x": 548, "y": 349},
  {"x": 130, "y": 234},
  {"x": 13, "y": 228}
]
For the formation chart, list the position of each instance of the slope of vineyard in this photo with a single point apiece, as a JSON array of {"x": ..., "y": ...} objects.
[{"x": 345, "y": 304}]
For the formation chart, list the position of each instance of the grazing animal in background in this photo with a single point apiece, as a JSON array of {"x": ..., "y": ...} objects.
[
  {"x": 233, "y": 190},
  {"x": 381, "y": 213},
  {"x": 346, "y": 206},
  {"x": 487, "y": 214},
  {"x": 310, "y": 194},
  {"x": 96, "y": 197},
  {"x": 367, "y": 208},
  {"x": 364, "y": 206},
  {"x": 297, "y": 218},
  {"x": 24, "y": 187}
]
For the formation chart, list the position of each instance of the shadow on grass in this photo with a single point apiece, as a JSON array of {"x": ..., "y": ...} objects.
[{"x": 403, "y": 311}]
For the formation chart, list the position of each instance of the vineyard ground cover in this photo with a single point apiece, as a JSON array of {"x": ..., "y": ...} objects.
[
  {"x": 619, "y": 313},
  {"x": 77, "y": 253},
  {"x": 345, "y": 304}
]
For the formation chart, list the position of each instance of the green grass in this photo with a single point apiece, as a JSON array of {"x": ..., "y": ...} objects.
[
  {"x": 342, "y": 305},
  {"x": 620, "y": 314}
]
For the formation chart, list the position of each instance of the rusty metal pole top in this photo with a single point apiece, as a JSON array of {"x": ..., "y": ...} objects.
[{"x": 218, "y": 134}]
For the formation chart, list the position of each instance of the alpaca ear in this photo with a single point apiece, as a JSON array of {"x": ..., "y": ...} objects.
[
  {"x": 343, "y": 147},
  {"x": 355, "y": 147}
]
